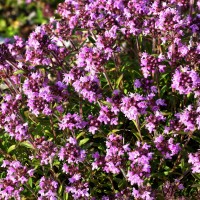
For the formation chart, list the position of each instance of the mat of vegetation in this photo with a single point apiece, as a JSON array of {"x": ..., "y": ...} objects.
[{"x": 103, "y": 102}]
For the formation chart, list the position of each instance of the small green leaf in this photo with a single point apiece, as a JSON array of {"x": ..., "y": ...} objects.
[
  {"x": 27, "y": 145},
  {"x": 30, "y": 182},
  {"x": 60, "y": 190},
  {"x": 20, "y": 71},
  {"x": 83, "y": 141},
  {"x": 137, "y": 135},
  {"x": 119, "y": 80},
  {"x": 91, "y": 39},
  {"x": 113, "y": 131},
  {"x": 196, "y": 139},
  {"x": 196, "y": 185},
  {"x": 166, "y": 173},
  {"x": 11, "y": 148},
  {"x": 66, "y": 196},
  {"x": 196, "y": 176},
  {"x": 80, "y": 134}
]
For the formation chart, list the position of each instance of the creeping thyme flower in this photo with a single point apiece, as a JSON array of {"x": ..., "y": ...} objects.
[
  {"x": 188, "y": 118},
  {"x": 167, "y": 147},
  {"x": 133, "y": 105},
  {"x": 48, "y": 189},
  {"x": 107, "y": 116},
  {"x": 71, "y": 152},
  {"x": 194, "y": 159},
  {"x": 88, "y": 87},
  {"x": 185, "y": 80},
  {"x": 12, "y": 185},
  {"x": 84, "y": 98},
  {"x": 45, "y": 150},
  {"x": 114, "y": 154},
  {"x": 150, "y": 65},
  {"x": 72, "y": 121},
  {"x": 140, "y": 167}
]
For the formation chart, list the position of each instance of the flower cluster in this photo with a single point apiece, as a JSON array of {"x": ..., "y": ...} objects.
[
  {"x": 167, "y": 147},
  {"x": 48, "y": 189},
  {"x": 194, "y": 160},
  {"x": 71, "y": 152},
  {"x": 46, "y": 150},
  {"x": 17, "y": 175},
  {"x": 72, "y": 121},
  {"x": 99, "y": 102},
  {"x": 140, "y": 164},
  {"x": 185, "y": 80},
  {"x": 73, "y": 155},
  {"x": 114, "y": 154},
  {"x": 133, "y": 105}
]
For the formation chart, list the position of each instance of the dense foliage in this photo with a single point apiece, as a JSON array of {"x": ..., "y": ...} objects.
[
  {"x": 103, "y": 103},
  {"x": 19, "y": 17}
]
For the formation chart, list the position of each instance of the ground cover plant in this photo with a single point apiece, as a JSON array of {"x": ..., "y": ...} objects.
[{"x": 102, "y": 102}]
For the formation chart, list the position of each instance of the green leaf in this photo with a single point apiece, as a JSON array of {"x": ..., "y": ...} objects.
[
  {"x": 20, "y": 71},
  {"x": 119, "y": 80},
  {"x": 113, "y": 131},
  {"x": 137, "y": 135},
  {"x": 83, "y": 141},
  {"x": 80, "y": 135},
  {"x": 27, "y": 145},
  {"x": 196, "y": 176},
  {"x": 196, "y": 185},
  {"x": 66, "y": 196},
  {"x": 60, "y": 190},
  {"x": 30, "y": 182},
  {"x": 196, "y": 139},
  {"x": 11, "y": 148},
  {"x": 91, "y": 39}
]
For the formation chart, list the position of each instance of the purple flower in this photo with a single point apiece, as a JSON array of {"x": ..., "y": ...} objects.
[
  {"x": 71, "y": 152},
  {"x": 185, "y": 80},
  {"x": 167, "y": 147},
  {"x": 194, "y": 159},
  {"x": 133, "y": 106},
  {"x": 140, "y": 164},
  {"x": 48, "y": 188},
  {"x": 72, "y": 121}
]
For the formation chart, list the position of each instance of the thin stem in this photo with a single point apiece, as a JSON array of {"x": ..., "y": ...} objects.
[
  {"x": 52, "y": 128},
  {"x": 80, "y": 106},
  {"x": 108, "y": 80},
  {"x": 137, "y": 125},
  {"x": 180, "y": 153},
  {"x": 29, "y": 188}
]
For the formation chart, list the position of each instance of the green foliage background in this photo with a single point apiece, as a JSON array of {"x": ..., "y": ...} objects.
[{"x": 19, "y": 18}]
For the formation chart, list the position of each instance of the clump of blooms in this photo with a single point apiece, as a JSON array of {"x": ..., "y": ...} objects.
[
  {"x": 114, "y": 154},
  {"x": 150, "y": 65},
  {"x": 48, "y": 189},
  {"x": 78, "y": 188},
  {"x": 140, "y": 167},
  {"x": 71, "y": 152},
  {"x": 72, "y": 121},
  {"x": 103, "y": 102},
  {"x": 167, "y": 147},
  {"x": 12, "y": 185},
  {"x": 194, "y": 159},
  {"x": 88, "y": 87},
  {"x": 93, "y": 124},
  {"x": 185, "y": 80},
  {"x": 133, "y": 105},
  {"x": 143, "y": 193},
  {"x": 46, "y": 150},
  {"x": 73, "y": 155},
  {"x": 153, "y": 120},
  {"x": 188, "y": 118},
  {"x": 106, "y": 116}
]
